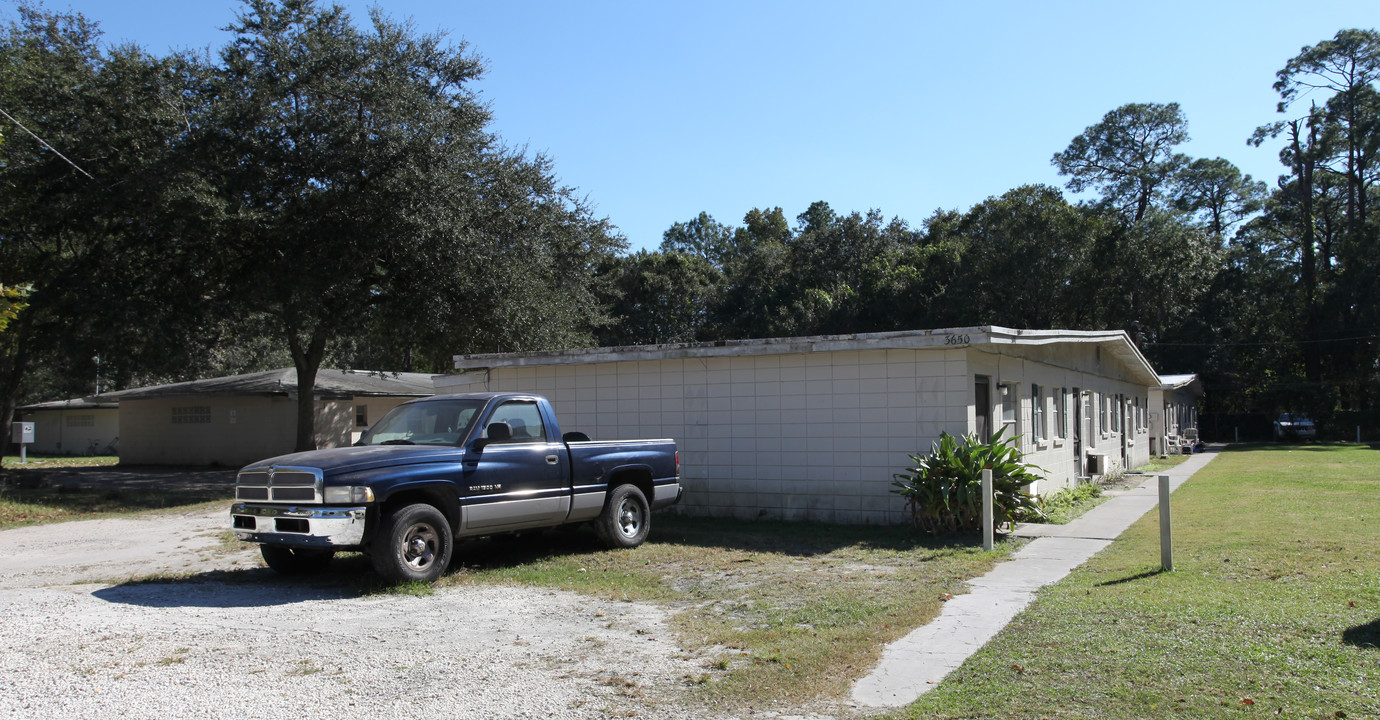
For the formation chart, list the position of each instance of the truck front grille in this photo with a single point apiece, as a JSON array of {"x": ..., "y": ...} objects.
[{"x": 279, "y": 484}]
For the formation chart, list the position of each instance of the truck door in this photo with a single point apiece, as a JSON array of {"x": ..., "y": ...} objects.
[{"x": 518, "y": 482}]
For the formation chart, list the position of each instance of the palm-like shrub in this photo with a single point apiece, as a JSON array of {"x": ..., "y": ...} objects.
[{"x": 943, "y": 491}]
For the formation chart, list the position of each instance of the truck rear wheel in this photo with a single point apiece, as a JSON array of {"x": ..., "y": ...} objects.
[
  {"x": 294, "y": 560},
  {"x": 413, "y": 545},
  {"x": 626, "y": 519}
]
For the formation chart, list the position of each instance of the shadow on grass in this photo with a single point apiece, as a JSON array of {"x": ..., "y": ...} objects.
[
  {"x": 1138, "y": 576},
  {"x": 799, "y": 538},
  {"x": 351, "y": 574},
  {"x": 1363, "y": 636},
  {"x": 28, "y": 506}
]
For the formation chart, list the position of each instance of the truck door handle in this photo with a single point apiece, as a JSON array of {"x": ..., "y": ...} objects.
[{"x": 552, "y": 460}]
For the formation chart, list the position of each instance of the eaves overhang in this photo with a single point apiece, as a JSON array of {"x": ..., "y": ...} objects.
[{"x": 1115, "y": 342}]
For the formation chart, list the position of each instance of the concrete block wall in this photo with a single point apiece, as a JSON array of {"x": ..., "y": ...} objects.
[
  {"x": 238, "y": 429},
  {"x": 1060, "y": 371},
  {"x": 810, "y": 436},
  {"x": 72, "y": 431}
]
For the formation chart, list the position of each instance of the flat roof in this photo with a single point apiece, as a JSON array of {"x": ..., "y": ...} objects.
[
  {"x": 329, "y": 383},
  {"x": 1117, "y": 342},
  {"x": 73, "y": 404},
  {"x": 1188, "y": 382}
]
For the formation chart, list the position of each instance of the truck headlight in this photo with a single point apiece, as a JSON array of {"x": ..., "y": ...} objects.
[{"x": 349, "y": 494}]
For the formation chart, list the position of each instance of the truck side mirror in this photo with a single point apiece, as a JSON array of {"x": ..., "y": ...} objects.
[{"x": 497, "y": 432}]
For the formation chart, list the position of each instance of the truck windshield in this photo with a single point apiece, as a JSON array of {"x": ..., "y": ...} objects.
[{"x": 435, "y": 422}]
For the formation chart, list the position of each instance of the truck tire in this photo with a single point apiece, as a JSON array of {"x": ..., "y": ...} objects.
[
  {"x": 294, "y": 560},
  {"x": 626, "y": 518},
  {"x": 413, "y": 544}
]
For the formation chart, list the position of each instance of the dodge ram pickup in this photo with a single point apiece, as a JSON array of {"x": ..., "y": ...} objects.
[{"x": 448, "y": 467}]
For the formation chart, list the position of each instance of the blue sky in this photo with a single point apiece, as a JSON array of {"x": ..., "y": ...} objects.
[{"x": 657, "y": 111}]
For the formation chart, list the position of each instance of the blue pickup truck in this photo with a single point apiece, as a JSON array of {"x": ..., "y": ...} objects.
[{"x": 447, "y": 467}]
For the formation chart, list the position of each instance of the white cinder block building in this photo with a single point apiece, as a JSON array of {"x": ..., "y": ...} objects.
[
  {"x": 1175, "y": 402},
  {"x": 815, "y": 427},
  {"x": 232, "y": 421},
  {"x": 73, "y": 427}
]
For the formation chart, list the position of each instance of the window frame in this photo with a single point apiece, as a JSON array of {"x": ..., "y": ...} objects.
[
  {"x": 1061, "y": 413},
  {"x": 1008, "y": 395}
]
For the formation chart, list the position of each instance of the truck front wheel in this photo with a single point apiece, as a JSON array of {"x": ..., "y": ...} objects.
[
  {"x": 413, "y": 544},
  {"x": 294, "y": 560},
  {"x": 626, "y": 519}
]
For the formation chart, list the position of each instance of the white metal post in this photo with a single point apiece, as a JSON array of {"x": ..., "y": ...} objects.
[
  {"x": 1166, "y": 535},
  {"x": 987, "y": 510}
]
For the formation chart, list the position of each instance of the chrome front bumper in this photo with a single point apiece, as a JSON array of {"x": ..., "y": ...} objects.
[{"x": 298, "y": 526}]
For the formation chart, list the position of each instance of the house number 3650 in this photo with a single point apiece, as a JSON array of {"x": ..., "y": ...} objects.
[{"x": 956, "y": 340}]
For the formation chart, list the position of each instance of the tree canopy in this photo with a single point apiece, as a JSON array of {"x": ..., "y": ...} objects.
[{"x": 325, "y": 191}]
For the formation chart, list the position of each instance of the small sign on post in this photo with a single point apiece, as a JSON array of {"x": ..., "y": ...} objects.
[
  {"x": 1166, "y": 535},
  {"x": 22, "y": 434},
  {"x": 987, "y": 511}
]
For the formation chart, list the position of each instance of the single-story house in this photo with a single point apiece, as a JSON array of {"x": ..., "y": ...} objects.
[
  {"x": 81, "y": 426},
  {"x": 236, "y": 420},
  {"x": 1174, "y": 421},
  {"x": 815, "y": 427}
]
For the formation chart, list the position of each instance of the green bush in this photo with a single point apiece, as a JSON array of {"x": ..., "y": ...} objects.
[
  {"x": 943, "y": 491},
  {"x": 1069, "y": 503}
]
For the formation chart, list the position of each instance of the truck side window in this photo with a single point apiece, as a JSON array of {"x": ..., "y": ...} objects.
[{"x": 524, "y": 418}]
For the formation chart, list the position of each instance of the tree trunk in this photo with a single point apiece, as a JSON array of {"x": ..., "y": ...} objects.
[
  {"x": 307, "y": 360},
  {"x": 1303, "y": 167},
  {"x": 10, "y": 381}
]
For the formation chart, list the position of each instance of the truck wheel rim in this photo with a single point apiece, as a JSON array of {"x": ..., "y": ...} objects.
[
  {"x": 419, "y": 545},
  {"x": 629, "y": 518}
]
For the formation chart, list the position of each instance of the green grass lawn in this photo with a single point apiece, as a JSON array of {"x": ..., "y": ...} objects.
[
  {"x": 37, "y": 462},
  {"x": 24, "y": 506},
  {"x": 24, "y": 502},
  {"x": 1273, "y": 609}
]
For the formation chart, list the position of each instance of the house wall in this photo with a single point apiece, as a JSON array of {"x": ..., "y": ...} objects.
[
  {"x": 223, "y": 430},
  {"x": 819, "y": 435},
  {"x": 1175, "y": 410},
  {"x": 1059, "y": 370},
  {"x": 799, "y": 436},
  {"x": 73, "y": 431},
  {"x": 374, "y": 410}
]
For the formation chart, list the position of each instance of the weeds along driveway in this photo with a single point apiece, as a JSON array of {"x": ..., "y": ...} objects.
[{"x": 224, "y": 638}]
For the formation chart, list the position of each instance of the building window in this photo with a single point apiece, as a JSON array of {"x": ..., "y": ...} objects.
[
  {"x": 362, "y": 416},
  {"x": 1061, "y": 413},
  {"x": 1008, "y": 408},
  {"x": 81, "y": 421},
  {"x": 1102, "y": 413},
  {"x": 1037, "y": 413},
  {"x": 195, "y": 415},
  {"x": 982, "y": 406}
]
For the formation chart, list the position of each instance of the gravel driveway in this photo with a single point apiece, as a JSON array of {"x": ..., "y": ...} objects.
[{"x": 79, "y": 640}]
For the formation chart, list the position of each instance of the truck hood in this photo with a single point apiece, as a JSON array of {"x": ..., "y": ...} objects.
[{"x": 338, "y": 461}]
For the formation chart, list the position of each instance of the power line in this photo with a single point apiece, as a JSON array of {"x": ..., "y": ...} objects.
[
  {"x": 45, "y": 144},
  {"x": 1265, "y": 344}
]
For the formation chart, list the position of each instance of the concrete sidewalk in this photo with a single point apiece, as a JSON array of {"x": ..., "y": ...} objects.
[{"x": 917, "y": 662}]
